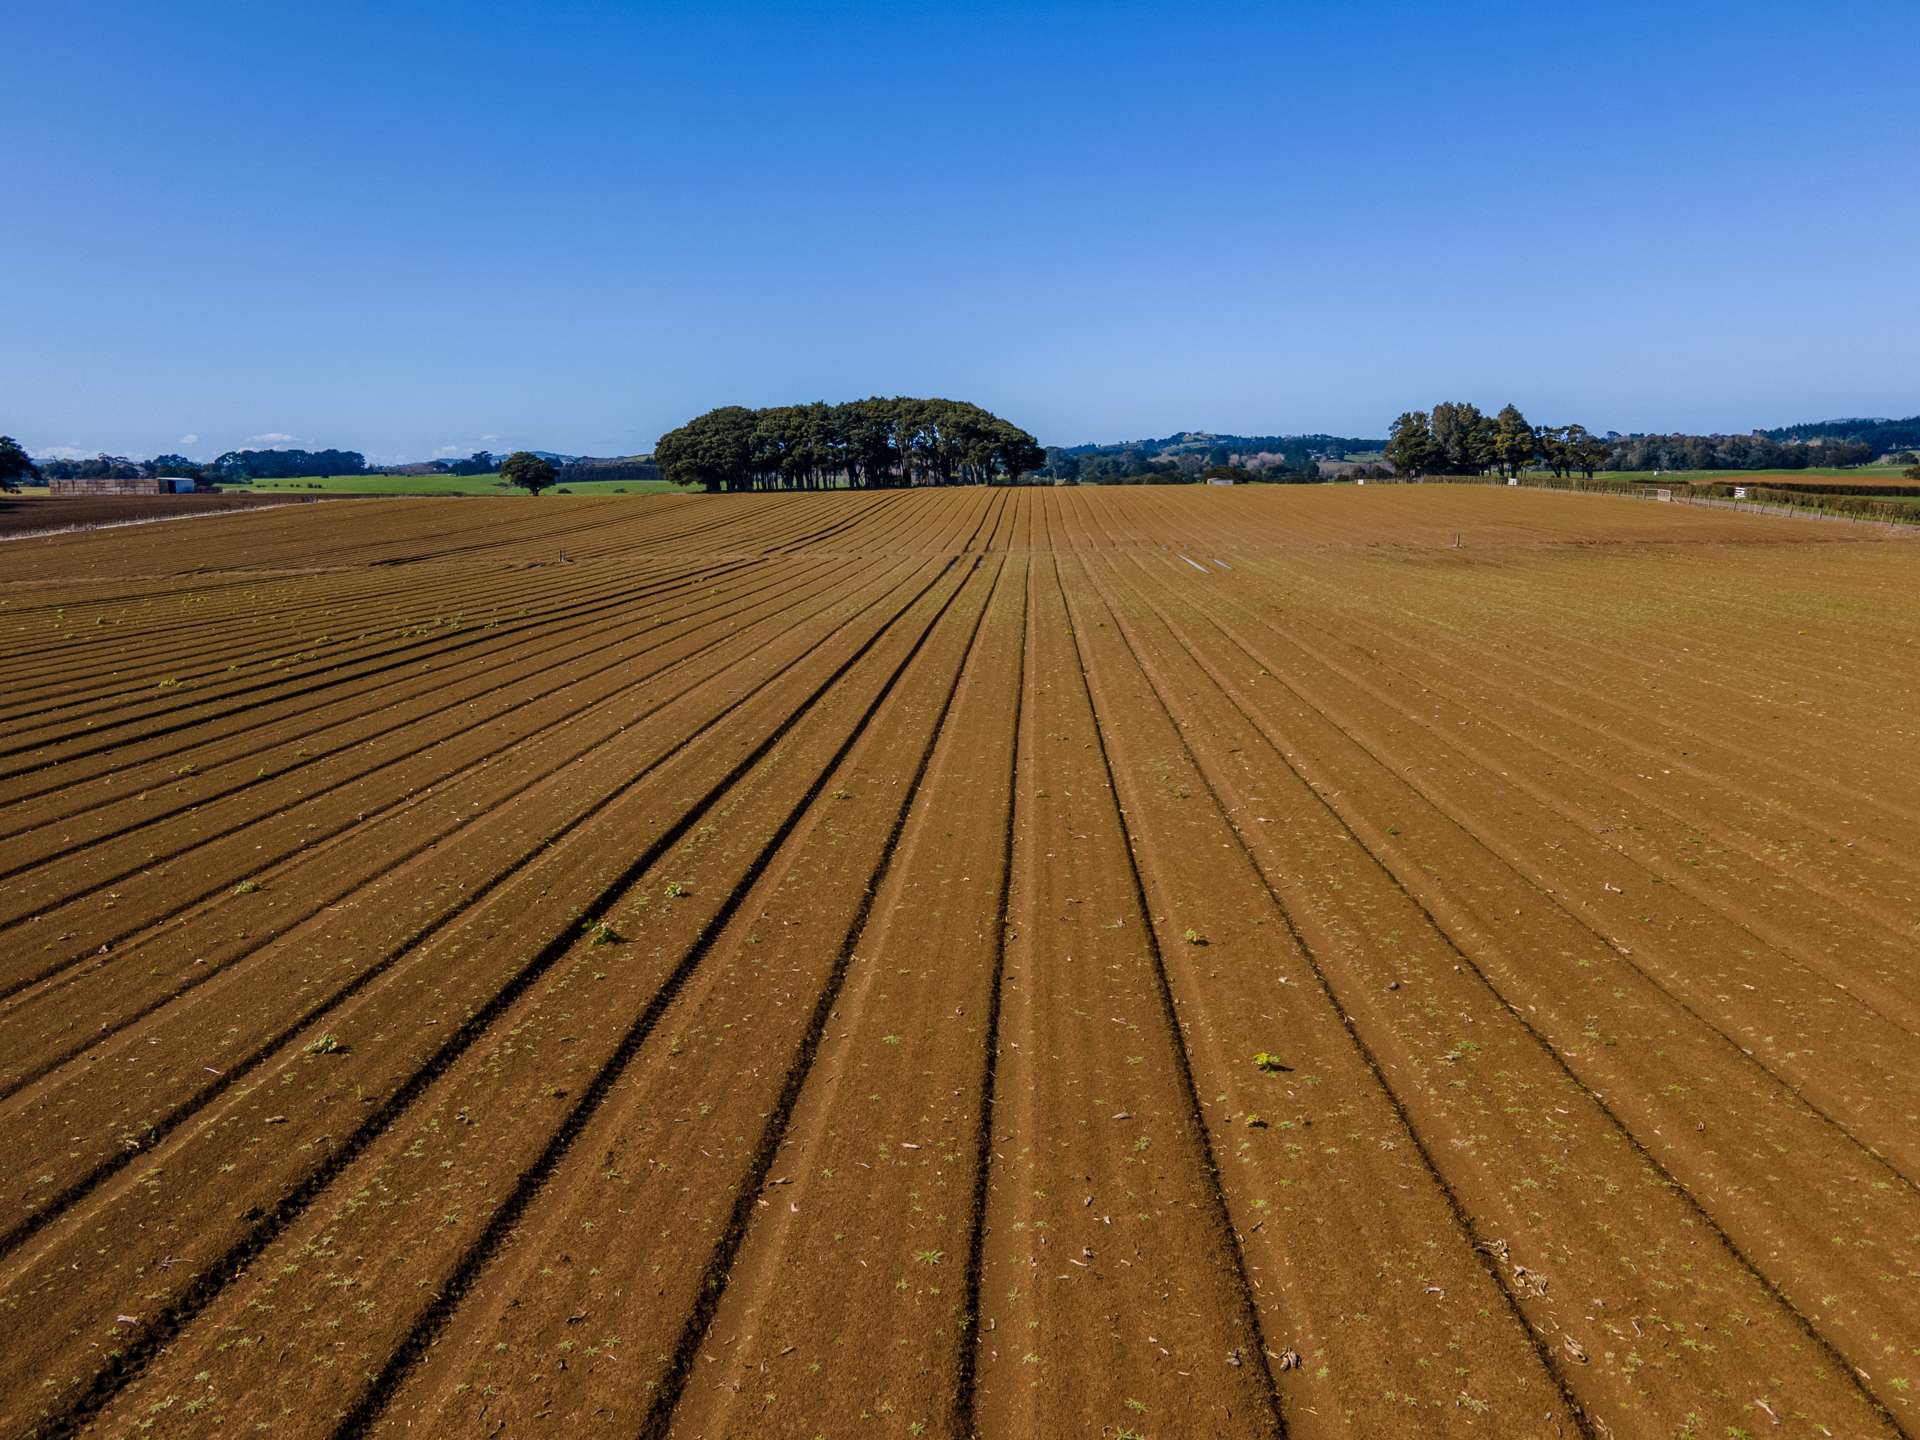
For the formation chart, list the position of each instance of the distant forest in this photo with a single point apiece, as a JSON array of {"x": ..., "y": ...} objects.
[
  {"x": 1195, "y": 455},
  {"x": 872, "y": 443},
  {"x": 235, "y": 465},
  {"x": 1456, "y": 438},
  {"x": 879, "y": 442},
  {"x": 1881, "y": 434}
]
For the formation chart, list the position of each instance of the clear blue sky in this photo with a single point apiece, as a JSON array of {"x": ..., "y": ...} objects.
[{"x": 421, "y": 228}]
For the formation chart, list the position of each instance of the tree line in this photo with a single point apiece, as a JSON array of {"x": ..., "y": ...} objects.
[
  {"x": 1456, "y": 438},
  {"x": 233, "y": 466},
  {"x": 873, "y": 443},
  {"x": 1191, "y": 455},
  {"x": 1882, "y": 435},
  {"x": 1757, "y": 451}
]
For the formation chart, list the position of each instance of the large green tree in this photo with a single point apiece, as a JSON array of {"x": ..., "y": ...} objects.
[
  {"x": 528, "y": 471},
  {"x": 1513, "y": 440},
  {"x": 1465, "y": 438},
  {"x": 865, "y": 443},
  {"x": 1410, "y": 445},
  {"x": 15, "y": 464}
]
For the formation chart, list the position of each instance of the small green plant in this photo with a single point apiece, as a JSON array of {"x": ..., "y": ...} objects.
[
  {"x": 325, "y": 1045},
  {"x": 675, "y": 890},
  {"x": 246, "y": 887},
  {"x": 1268, "y": 1064},
  {"x": 599, "y": 932},
  {"x": 1194, "y": 937}
]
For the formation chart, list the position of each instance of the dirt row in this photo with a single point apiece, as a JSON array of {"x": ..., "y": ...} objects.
[{"x": 1109, "y": 962}]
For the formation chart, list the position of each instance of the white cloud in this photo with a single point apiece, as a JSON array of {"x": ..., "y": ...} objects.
[
  {"x": 66, "y": 452},
  {"x": 489, "y": 439},
  {"x": 440, "y": 452},
  {"x": 189, "y": 440},
  {"x": 272, "y": 437}
]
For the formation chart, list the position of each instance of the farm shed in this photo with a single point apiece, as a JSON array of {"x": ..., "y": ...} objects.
[{"x": 137, "y": 485}]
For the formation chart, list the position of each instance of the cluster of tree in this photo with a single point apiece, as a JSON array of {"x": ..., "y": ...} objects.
[
  {"x": 234, "y": 466},
  {"x": 864, "y": 443},
  {"x": 1185, "y": 454},
  {"x": 619, "y": 467},
  {"x": 1879, "y": 434},
  {"x": 481, "y": 462},
  {"x": 15, "y": 464},
  {"x": 1757, "y": 451},
  {"x": 282, "y": 464},
  {"x": 117, "y": 467},
  {"x": 1456, "y": 438},
  {"x": 1129, "y": 465}
]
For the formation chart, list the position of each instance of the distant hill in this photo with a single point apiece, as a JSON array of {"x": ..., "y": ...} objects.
[{"x": 1878, "y": 431}]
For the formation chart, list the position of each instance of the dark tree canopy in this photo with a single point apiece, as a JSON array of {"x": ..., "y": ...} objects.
[
  {"x": 1411, "y": 449},
  {"x": 528, "y": 471},
  {"x": 863, "y": 444},
  {"x": 15, "y": 464},
  {"x": 1459, "y": 440},
  {"x": 1878, "y": 435},
  {"x": 282, "y": 464}
]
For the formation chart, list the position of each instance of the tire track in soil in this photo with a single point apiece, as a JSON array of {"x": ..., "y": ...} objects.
[
  {"x": 1087, "y": 1314},
  {"x": 1558, "y": 1238},
  {"x": 94, "y": 941},
  {"x": 839, "y": 1301},
  {"x": 193, "y": 721},
  {"x": 147, "y": 714},
  {"x": 140, "y": 1089},
  {"x": 137, "y": 1346},
  {"x": 1576, "y": 716},
  {"x": 693, "y": 578},
  {"x": 1872, "y": 1047},
  {"x": 80, "y": 868},
  {"x": 527, "y": 1292},
  {"x": 219, "y": 858},
  {"x": 1460, "y": 813},
  {"x": 113, "y": 665},
  {"x": 1374, "y": 1257},
  {"x": 396, "y": 659},
  {"x": 482, "y": 671},
  {"x": 115, "y": 999},
  {"x": 521, "y": 1177}
]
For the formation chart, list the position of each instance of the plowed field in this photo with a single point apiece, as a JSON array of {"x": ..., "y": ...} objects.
[{"x": 1401, "y": 961}]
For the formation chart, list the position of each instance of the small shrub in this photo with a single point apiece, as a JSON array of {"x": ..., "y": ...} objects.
[
  {"x": 325, "y": 1045},
  {"x": 1268, "y": 1064},
  {"x": 1194, "y": 937}
]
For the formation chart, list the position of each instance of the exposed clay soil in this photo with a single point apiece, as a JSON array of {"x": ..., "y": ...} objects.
[
  {"x": 27, "y": 514},
  {"x": 1159, "y": 962}
]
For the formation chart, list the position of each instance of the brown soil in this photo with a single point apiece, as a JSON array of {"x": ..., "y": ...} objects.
[
  {"x": 1403, "y": 961},
  {"x": 29, "y": 514}
]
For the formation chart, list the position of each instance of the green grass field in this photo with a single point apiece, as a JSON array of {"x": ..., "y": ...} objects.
[
  {"x": 445, "y": 485},
  {"x": 1743, "y": 477}
]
